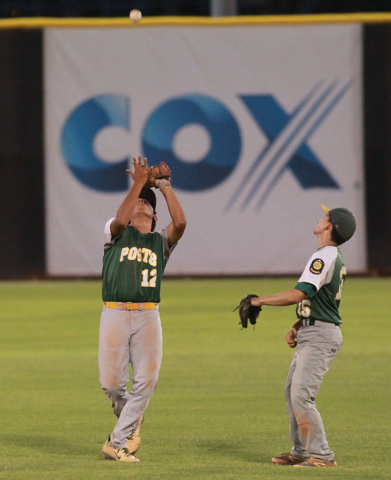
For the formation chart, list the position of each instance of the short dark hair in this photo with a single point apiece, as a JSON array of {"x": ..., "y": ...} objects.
[{"x": 336, "y": 237}]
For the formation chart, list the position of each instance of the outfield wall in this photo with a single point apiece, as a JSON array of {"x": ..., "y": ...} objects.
[{"x": 260, "y": 125}]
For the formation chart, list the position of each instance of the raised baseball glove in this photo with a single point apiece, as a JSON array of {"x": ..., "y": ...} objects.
[
  {"x": 248, "y": 312},
  {"x": 157, "y": 173}
]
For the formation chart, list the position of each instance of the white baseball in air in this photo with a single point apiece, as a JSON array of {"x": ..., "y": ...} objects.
[{"x": 135, "y": 15}]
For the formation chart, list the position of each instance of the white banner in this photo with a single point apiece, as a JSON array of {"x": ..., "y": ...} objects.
[{"x": 259, "y": 124}]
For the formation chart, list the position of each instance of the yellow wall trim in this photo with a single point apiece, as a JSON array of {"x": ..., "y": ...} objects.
[{"x": 40, "y": 22}]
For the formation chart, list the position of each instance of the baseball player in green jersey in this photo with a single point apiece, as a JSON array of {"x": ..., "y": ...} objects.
[
  {"x": 318, "y": 337},
  {"x": 130, "y": 329}
]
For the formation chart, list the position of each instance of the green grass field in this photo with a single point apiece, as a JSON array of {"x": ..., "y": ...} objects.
[{"x": 219, "y": 410}]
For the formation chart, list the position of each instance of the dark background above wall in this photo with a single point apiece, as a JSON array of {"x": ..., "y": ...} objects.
[{"x": 118, "y": 8}]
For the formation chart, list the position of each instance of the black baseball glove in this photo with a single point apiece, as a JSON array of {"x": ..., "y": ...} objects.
[{"x": 248, "y": 312}]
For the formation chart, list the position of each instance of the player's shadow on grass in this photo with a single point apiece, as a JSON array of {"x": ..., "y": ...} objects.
[{"x": 232, "y": 449}]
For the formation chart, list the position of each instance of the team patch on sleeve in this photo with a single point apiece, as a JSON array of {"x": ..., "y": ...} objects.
[{"x": 316, "y": 266}]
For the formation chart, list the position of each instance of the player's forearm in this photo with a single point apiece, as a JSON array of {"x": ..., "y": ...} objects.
[
  {"x": 126, "y": 209},
  {"x": 297, "y": 325},
  {"x": 175, "y": 209},
  {"x": 289, "y": 297}
]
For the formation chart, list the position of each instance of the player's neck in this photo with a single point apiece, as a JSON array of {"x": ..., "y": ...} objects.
[
  {"x": 324, "y": 239},
  {"x": 142, "y": 223}
]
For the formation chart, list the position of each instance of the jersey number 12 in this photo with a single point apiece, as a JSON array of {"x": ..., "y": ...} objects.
[{"x": 149, "y": 282}]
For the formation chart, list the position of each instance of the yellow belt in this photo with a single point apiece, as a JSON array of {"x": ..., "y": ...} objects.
[{"x": 131, "y": 305}]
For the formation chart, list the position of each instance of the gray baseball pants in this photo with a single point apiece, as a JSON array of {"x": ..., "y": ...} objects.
[
  {"x": 129, "y": 337},
  {"x": 317, "y": 346}
]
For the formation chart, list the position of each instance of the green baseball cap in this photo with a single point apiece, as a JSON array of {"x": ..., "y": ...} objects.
[{"x": 343, "y": 221}]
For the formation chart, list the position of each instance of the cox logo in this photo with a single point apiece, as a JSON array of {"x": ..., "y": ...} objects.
[
  {"x": 90, "y": 117},
  {"x": 286, "y": 149}
]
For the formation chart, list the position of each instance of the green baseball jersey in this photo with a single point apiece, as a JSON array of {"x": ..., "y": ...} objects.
[
  {"x": 133, "y": 265},
  {"x": 322, "y": 281}
]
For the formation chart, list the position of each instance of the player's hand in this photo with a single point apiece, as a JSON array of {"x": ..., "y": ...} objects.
[
  {"x": 162, "y": 183},
  {"x": 291, "y": 337},
  {"x": 140, "y": 173}
]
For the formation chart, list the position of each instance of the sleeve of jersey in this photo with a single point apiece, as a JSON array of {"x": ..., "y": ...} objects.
[
  {"x": 307, "y": 288},
  {"x": 108, "y": 239},
  {"x": 167, "y": 250},
  {"x": 314, "y": 275}
]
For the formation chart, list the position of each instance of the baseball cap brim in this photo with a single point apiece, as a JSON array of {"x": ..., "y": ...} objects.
[{"x": 325, "y": 209}]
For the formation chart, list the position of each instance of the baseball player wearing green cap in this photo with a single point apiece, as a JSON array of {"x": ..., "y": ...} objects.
[
  {"x": 318, "y": 337},
  {"x": 130, "y": 329}
]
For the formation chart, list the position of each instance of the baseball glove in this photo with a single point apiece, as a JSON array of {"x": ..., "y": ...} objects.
[
  {"x": 157, "y": 173},
  {"x": 248, "y": 312}
]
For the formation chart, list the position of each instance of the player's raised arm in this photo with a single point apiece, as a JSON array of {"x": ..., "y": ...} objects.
[
  {"x": 126, "y": 209},
  {"x": 177, "y": 227},
  {"x": 159, "y": 176}
]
